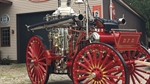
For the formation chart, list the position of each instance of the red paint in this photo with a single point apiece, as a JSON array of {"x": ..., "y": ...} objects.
[
  {"x": 97, "y": 10},
  {"x": 113, "y": 11}
]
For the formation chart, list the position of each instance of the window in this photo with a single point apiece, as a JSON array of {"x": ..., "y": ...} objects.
[{"x": 5, "y": 36}]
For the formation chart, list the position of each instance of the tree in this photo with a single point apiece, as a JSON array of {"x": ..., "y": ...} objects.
[{"x": 142, "y": 6}]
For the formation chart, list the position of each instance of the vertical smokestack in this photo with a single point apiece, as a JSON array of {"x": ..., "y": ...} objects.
[
  {"x": 64, "y": 3},
  {"x": 64, "y": 8}
]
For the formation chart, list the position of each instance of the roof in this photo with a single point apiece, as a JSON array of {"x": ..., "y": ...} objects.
[
  {"x": 5, "y": 2},
  {"x": 128, "y": 6}
]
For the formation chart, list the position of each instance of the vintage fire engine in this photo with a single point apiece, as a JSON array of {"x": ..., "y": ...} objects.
[{"x": 90, "y": 50}]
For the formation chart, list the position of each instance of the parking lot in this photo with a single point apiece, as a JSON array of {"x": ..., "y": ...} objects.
[{"x": 17, "y": 74}]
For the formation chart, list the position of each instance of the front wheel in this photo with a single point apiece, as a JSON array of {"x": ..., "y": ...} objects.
[{"x": 99, "y": 64}]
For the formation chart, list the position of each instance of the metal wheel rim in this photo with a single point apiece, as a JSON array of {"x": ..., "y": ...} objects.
[
  {"x": 105, "y": 69},
  {"x": 36, "y": 61}
]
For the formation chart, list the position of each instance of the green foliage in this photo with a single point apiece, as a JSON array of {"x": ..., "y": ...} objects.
[
  {"x": 6, "y": 61},
  {"x": 142, "y": 6}
]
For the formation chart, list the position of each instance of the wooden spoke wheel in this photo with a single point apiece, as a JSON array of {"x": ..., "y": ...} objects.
[
  {"x": 138, "y": 63},
  {"x": 99, "y": 64},
  {"x": 37, "y": 69}
]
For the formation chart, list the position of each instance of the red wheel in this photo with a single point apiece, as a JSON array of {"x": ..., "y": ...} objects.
[
  {"x": 36, "y": 61},
  {"x": 138, "y": 73},
  {"x": 99, "y": 64}
]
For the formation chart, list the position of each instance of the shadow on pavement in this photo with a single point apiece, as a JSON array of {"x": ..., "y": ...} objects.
[{"x": 61, "y": 82}]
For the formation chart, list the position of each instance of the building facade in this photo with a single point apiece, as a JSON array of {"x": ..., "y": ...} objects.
[{"x": 15, "y": 14}]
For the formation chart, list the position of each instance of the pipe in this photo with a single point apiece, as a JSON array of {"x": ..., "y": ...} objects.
[
  {"x": 110, "y": 9},
  {"x": 121, "y": 21},
  {"x": 118, "y": 21},
  {"x": 56, "y": 22},
  {"x": 87, "y": 20}
]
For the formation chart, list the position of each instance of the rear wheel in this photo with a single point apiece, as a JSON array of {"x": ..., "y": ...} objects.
[
  {"x": 99, "y": 64},
  {"x": 37, "y": 68},
  {"x": 138, "y": 73}
]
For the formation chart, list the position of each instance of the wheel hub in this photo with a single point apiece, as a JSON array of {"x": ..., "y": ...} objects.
[
  {"x": 131, "y": 67},
  {"x": 97, "y": 74},
  {"x": 35, "y": 61}
]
